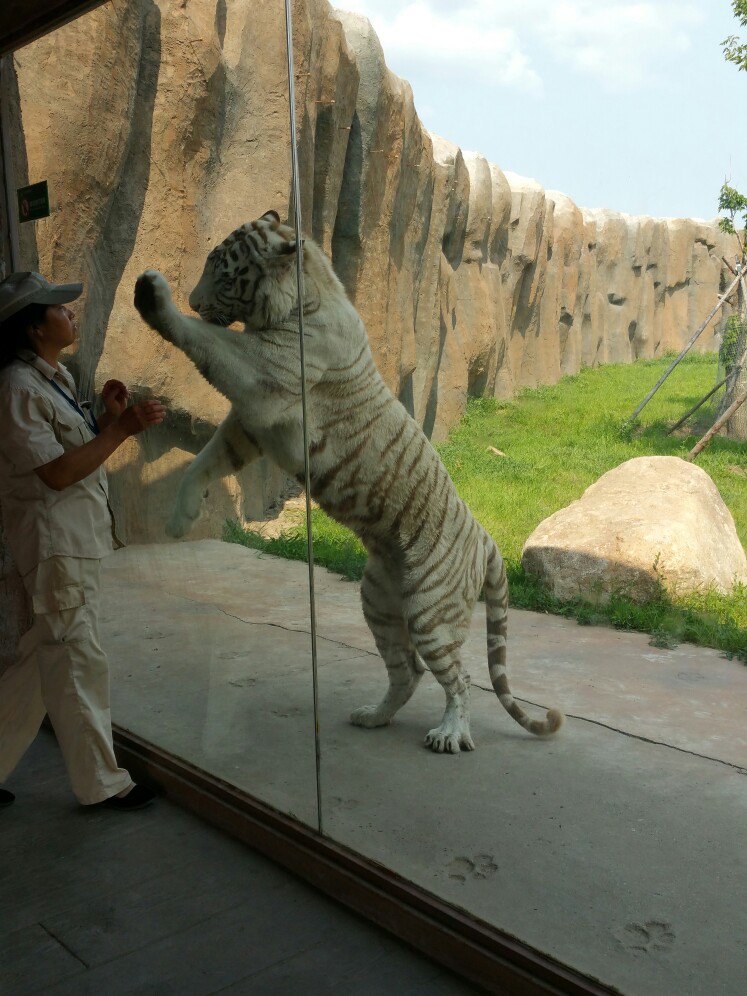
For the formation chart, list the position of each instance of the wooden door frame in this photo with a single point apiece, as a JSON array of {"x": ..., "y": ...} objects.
[
  {"x": 9, "y": 248},
  {"x": 23, "y": 21}
]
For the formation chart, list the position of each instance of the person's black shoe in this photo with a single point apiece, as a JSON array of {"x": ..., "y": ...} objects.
[
  {"x": 6, "y": 798},
  {"x": 138, "y": 797}
]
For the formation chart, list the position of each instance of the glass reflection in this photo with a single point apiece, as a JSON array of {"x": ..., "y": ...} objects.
[
  {"x": 174, "y": 228},
  {"x": 466, "y": 283},
  {"x": 573, "y": 844}
]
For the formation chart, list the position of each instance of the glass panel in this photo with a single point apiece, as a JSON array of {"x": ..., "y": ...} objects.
[
  {"x": 473, "y": 284},
  {"x": 161, "y": 131}
]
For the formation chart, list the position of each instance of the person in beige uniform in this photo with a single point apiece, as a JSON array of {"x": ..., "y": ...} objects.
[{"x": 58, "y": 525}]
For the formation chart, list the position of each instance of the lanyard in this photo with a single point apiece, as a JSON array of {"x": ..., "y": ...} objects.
[{"x": 74, "y": 404}]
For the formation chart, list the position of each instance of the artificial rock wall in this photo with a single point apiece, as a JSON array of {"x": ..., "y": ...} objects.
[{"x": 162, "y": 126}]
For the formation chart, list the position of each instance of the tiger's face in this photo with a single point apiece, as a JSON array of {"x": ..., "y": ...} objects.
[{"x": 250, "y": 277}]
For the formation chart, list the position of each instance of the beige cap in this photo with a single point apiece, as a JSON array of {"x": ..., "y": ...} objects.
[{"x": 20, "y": 289}]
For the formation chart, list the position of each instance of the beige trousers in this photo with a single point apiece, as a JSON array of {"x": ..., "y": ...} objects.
[{"x": 62, "y": 671}]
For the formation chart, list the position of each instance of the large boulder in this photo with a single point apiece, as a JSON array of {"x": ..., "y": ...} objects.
[{"x": 651, "y": 520}]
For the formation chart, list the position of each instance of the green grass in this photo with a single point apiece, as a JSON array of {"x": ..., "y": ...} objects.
[
  {"x": 335, "y": 547},
  {"x": 558, "y": 440}
]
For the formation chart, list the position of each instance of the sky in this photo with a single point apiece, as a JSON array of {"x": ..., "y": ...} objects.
[{"x": 624, "y": 104}]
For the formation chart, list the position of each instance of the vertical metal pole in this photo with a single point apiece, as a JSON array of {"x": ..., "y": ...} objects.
[{"x": 296, "y": 194}]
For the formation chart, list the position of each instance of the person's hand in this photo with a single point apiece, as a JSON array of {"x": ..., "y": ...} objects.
[
  {"x": 141, "y": 416},
  {"x": 115, "y": 396}
]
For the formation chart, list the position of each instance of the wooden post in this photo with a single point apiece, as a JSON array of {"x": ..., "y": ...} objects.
[
  {"x": 702, "y": 443},
  {"x": 687, "y": 348},
  {"x": 728, "y": 264},
  {"x": 10, "y": 255},
  {"x": 15, "y": 609},
  {"x": 737, "y": 381},
  {"x": 692, "y": 411}
]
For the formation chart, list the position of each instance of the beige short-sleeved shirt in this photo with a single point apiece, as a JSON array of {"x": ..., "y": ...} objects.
[{"x": 37, "y": 425}]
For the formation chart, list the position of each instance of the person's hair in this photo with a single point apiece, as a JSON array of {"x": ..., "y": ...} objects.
[{"x": 14, "y": 331}]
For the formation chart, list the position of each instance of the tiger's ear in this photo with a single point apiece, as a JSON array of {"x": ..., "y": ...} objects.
[
  {"x": 283, "y": 257},
  {"x": 273, "y": 215}
]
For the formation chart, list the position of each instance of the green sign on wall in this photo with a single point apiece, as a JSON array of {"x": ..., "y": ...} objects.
[{"x": 33, "y": 202}]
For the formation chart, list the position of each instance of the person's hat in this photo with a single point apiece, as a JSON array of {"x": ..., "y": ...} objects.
[{"x": 20, "y": 289}]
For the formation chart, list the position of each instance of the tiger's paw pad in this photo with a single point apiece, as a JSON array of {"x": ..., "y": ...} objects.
[
  {"x": 369, "y": 717},
  {"x": 449, "y": 738},
  {"x": 152, "y": 297}
]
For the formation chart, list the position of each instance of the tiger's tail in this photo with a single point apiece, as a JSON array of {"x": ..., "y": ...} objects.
[{"x": 496, "y": 611}]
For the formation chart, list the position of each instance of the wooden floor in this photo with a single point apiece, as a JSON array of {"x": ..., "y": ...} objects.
[{"x": 158, "y": 902}]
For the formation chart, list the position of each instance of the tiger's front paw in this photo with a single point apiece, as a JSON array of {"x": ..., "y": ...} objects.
[
  {"x": 180, "y": 523},
  {"x": 185, "y": 513},
  {"x": 153, "y": 299},
  {"x": 178, "y": 526}
]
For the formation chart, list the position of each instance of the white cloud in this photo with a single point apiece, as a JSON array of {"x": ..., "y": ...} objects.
[
  {"x": 450, "y": 38},
  {"x": 622, "y": 44}
]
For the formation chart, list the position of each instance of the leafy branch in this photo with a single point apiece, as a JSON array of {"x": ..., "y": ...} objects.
[
  {"x": 730, "y": 200},
  {"x": 734, "y": 203},
  {"x": 735, "y": 50}
]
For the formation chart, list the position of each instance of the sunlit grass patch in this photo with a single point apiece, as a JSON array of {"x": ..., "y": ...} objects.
[{"x": 335, "y": 547}]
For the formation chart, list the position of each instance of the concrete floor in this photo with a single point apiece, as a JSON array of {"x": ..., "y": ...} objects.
[
  {"x": 617, "y": 847},
  {"x": 157, "y": 902}
]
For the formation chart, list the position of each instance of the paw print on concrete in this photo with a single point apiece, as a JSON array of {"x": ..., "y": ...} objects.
[
  {"x": 482, "y": 866},
  {"x": 341, "y": 803},
  {"x": 645, "y": 938},
  {"x": 288, "y": 712}
]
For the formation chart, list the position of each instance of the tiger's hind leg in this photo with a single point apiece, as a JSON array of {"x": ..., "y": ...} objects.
[
  {"x": 440, "y": 650},
  {"x": 383, "y": 613},
  {"x": 438, "y": 610}
]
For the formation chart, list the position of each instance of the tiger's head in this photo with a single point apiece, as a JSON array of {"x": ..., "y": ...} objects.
[{"x": 250, "y": 277}]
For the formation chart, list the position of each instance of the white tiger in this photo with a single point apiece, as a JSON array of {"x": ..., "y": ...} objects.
[{"x": 371, "y": 466}]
